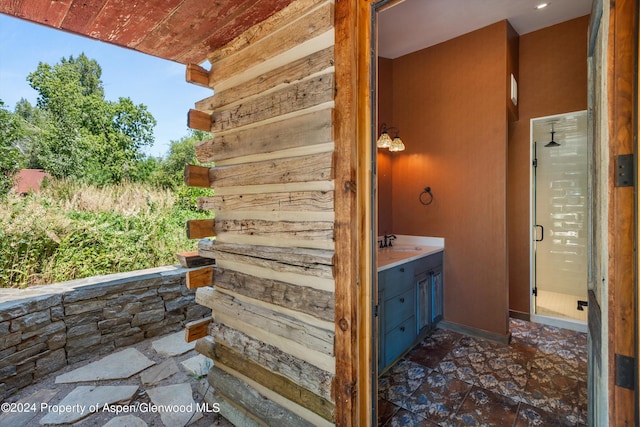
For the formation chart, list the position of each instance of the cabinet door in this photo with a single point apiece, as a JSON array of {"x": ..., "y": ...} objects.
[
  {"x": 423, "y": 302},
  {"x": 437, "y": 295}
]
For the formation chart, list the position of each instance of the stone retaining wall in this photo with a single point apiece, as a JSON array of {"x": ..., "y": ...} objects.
[{"x": 44, "y": 328}]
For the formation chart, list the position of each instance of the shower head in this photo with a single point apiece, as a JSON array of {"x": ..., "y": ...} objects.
[{"x": 552, "y": 143}]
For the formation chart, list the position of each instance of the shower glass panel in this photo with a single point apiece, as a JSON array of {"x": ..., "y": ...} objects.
[{"x": 560, "y": 216}]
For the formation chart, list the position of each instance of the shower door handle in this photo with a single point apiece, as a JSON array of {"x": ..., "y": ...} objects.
[{"x": 541, "y": 233}]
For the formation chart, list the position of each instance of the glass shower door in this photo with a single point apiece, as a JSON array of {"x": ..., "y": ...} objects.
[{"x": 560, "y": 216}]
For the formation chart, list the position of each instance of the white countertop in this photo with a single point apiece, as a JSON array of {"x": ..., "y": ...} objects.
[{"x": 408, "y": 248}]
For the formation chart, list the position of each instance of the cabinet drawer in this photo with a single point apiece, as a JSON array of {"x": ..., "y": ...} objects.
[
  {"x": 429, "y": 262},
  {"x": 399, "y": 339},
  {"x": 398, "y": 308},
  {"x": 398, "y": 279}
]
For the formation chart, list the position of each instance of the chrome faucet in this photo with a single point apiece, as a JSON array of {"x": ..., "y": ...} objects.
[{"x": 388, "y": 241}]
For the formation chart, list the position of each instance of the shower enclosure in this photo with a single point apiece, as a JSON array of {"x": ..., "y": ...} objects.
[{"x": 559, "y": 196}]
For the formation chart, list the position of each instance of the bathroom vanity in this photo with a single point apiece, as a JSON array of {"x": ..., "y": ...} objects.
[{"x": 410, "y": 294}]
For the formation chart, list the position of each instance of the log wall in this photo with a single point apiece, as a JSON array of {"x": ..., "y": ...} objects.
[{"x": 272, "y": 290}]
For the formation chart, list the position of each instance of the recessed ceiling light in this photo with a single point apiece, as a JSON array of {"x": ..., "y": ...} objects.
[{"x": 542, "y": 6}]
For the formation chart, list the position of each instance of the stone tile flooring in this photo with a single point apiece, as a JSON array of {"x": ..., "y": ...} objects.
[
  {"x": 156, "y": 382},
  {"x": 539, "y": 379}
]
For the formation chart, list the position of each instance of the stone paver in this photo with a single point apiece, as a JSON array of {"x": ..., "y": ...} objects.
[
  {"x": 84, "y": 400},
  {"x": 197, "y": 366},
  {"x": 126, "y": 421},
  {"x": 173, "y": 345},
  {"x": 155, "y": 374},
  {"x": 122, "y": 364},
  {"x": 175, "y": 404}
]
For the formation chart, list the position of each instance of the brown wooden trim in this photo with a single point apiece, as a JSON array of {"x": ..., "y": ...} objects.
[
  {"x": 199, "y": 120},
  {"x": 621, "y": 82},
  {"x": 192, "y": 259},
  {"x": 196, "y": 176},
  {"x": 197, "y": 75},
  {"x": 200, "y": 278},
  {"x": 196, "y": 329},
  {"x": 367, "y": 384},
  {"x": 200, "y": 228},
  {"x": 352, "y": 386}
]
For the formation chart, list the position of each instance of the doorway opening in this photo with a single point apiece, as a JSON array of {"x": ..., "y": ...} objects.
[{"x": 559, "y": 219}]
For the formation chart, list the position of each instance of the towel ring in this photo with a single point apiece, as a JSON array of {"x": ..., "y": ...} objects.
[{"x": 427, "y": 190}]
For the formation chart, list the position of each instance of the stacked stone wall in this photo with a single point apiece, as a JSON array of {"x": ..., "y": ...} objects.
[{"x": 45, "y": 328}]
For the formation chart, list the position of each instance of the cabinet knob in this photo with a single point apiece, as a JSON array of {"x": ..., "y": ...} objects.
[
  {"x": 402, "y": 270},
  {"x": 401, "y": 328},
  {"x": 401, "y": 299}
]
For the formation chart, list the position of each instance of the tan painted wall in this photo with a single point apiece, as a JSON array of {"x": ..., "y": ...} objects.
[
  {"x": 449, "y": 103},
  {"x": 385, "y": 115},
  {"x": 553, "y": 80}
]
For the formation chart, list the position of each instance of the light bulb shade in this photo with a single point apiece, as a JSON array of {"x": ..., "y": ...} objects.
[
  {"x": 384, "y": 141},
  {"x": 396, "y": 144}
]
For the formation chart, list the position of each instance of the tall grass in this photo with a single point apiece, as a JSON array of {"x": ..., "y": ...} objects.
[{"x": 70, "y": 230}]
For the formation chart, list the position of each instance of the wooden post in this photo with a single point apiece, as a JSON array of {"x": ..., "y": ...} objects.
[{"x": 196, "y": 176}]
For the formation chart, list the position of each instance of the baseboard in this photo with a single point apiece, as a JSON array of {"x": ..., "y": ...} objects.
[
  {"x": 473, "y": 332},
  {"x": 520, "y": 315}
]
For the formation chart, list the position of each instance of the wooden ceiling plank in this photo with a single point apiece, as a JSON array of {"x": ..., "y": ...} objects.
[
  {"x": 191, "y": 21},
  {"x": 81, "y": 14},
  {"x": 231, "y": 29},
  {"x": 127, "y": 23},
  {"x": 47, "y": 12}
]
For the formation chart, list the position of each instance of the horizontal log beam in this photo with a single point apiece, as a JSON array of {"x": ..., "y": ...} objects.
[
  {"x": 293, "y": 98},
  {"x": 271, "y": 357},
  {"x": 193, "y": 259},
  {"x": 197, "y": 176},
  {"x": 197, "y": 75},
  {"x": 300, "y": 69},
  {"x": 273, "y": 381},
  {"x": 241, "y": 394},
  {"x": 276, "y": 188},
  {"x": 301, "y": 298},
  {"x": 316, "y": 167},
  {"x": 303, "y": 202},
  {"x": 196, "y": 329},
  {"x": 200, "y": 278},
  {"x": 313, "y": 262},
  {"x": 307, "y": 129},
  {"x": 200, "y": 228},
  {"x": 199, "y": 120}
]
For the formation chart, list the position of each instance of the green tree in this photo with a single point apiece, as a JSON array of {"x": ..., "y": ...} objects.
[
  {"x": 182, "y": 152},
  {"x": 81, "y": 135},
  {"x": 170, "y": 173},
  {"x": 10, "y": 133}
]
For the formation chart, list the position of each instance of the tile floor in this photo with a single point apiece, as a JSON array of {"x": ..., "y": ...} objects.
[{"x": 539, "y": 379}]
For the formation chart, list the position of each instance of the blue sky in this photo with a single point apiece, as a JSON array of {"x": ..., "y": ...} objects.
[{"x": 157, "y": 83}]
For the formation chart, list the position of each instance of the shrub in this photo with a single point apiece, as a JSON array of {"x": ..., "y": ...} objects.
[{"x": 70, "y": 230}]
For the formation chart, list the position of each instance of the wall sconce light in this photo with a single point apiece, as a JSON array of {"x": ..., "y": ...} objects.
[{"x": 385, "y": 141}]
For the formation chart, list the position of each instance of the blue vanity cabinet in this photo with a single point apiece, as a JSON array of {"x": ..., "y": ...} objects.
[
  {"x": 410, "y": 304},
  {"x": 396, "y": 313}
]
